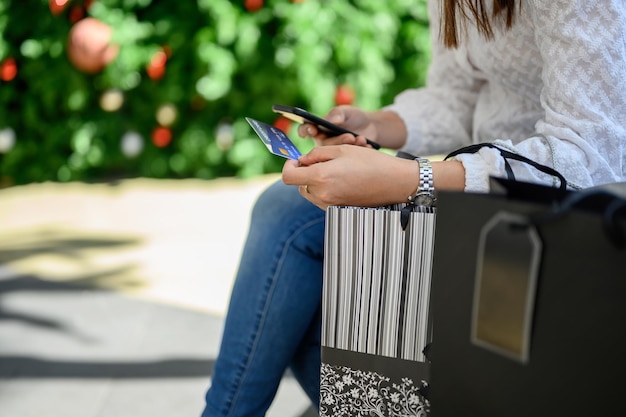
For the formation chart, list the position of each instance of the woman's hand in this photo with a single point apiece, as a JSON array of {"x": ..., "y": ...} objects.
[
  {"x": 384, "y": 127},
  {"x": 348, "y": 117},
  {"x": 353, "y": 176}
]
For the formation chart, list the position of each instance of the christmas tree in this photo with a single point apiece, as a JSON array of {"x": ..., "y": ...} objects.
[{"x": 94, "y": 90}]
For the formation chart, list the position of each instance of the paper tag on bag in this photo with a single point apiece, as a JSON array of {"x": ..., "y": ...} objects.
[{"x": 509, "y": 254}]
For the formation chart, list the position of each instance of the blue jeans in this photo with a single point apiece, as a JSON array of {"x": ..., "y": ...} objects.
[{"x": 274, "y": 316}]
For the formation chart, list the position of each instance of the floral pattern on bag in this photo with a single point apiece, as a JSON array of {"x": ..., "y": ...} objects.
[{"x": 346, "y": 392}]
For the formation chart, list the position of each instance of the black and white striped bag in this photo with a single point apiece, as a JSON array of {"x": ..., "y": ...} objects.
[{"x": 375, "y": 311}]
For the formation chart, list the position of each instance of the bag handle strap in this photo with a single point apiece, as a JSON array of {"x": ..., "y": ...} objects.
[
  {"x": 613, "y": 230},
  {"x": 507, "y": 166},
  {"x": 614, "y": 206}
]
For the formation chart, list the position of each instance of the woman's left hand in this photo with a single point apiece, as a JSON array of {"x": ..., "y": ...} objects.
[{"x": 352, "y": 176}]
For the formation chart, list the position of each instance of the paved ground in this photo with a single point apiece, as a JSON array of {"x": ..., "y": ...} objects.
[{"x": 112, "y": 296}]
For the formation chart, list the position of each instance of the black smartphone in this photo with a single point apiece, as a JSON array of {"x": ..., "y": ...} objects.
[{"x": 299, "y": 115}]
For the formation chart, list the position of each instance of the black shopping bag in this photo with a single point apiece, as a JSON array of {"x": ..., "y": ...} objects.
[
  {"x": 375, "y": 311},
  {"x": 529, "y": 302}
]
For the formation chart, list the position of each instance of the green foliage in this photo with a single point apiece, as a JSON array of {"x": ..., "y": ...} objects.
[{"x": 225, "y": 62}]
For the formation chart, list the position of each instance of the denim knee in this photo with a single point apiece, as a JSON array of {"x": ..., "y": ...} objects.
[{"x": 281, "y": 203}]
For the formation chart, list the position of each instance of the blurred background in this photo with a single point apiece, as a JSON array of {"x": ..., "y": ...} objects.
[{"x": 127, "y": 173}]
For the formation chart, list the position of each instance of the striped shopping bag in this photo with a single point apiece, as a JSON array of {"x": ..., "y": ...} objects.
[{"x": 375, "y": 311}]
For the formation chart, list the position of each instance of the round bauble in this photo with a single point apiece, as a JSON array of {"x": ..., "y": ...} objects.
[{"x": 89, "y": 46}]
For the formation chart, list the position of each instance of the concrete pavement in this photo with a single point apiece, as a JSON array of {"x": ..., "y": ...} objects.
[{"x": 112, "y": 296}]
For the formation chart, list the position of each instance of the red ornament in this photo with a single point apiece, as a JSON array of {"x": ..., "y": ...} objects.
[
  {"x": 57, "y": 6},
  {"x": 76, "y": 13},
  {"x": 89, "y": 48},
  {"x": 344, "y": 95},
  {"x": 253, "y": 5},
  {"x": 156, "y": 66},
  {"x": 161, "y": 136},
  {"x": 283, "y": 124},
  {"x": 8, "y": 69}
]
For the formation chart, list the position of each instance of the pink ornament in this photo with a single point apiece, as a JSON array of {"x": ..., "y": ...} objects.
[{"x": 89, "y": 48}]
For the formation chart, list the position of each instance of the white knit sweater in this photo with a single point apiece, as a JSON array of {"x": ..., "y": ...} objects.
[{"x": 553, "y": 88}]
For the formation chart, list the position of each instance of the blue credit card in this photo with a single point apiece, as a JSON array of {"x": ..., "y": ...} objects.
[{"x": 275, "y": 139}]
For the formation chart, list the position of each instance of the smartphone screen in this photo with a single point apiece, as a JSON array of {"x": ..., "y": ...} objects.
[{"x": 299, "y": 115}]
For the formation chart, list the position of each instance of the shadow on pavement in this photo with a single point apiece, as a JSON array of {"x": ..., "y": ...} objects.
[
  {"x": 31, "y": 283},
  {"x": 28, "y": 367},
  {"x": 67, "y": 247},
  {"x": 78, "y": 341},
  {"x": 74, "y": 332}
]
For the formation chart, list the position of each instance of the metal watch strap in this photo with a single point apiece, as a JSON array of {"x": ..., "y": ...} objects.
[{"x": 425, "y": 194}]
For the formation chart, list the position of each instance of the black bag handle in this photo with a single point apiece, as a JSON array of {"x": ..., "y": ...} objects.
[
  {"x": 612, "y": 229},
  {"x": 507, "y": 166},
  {"x": 506, "y": 155},
  {"x": 613, "y": 206}
]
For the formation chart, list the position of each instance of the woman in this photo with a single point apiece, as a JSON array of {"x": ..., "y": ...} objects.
[{"x": 542, "y": 78}]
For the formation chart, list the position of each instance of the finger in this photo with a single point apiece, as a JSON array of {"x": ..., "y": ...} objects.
[
  {"x": 348, "y": 139},
  {"x": 305, "y": 171},
  {"x": 321, "y": 154},
  {"x": 336, "y": 115},
  {"x": 291, "y": 163},
  {"x": 361, "y": 141},
  {"x": 344, "y": 139},
  {"x": 295, "y": 174},
  {"x": 305, "y": 192},
  {"x": 307, "y": 130}
]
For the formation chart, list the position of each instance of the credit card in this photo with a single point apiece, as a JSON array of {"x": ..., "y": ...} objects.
[{"x": 275, "y": 139}]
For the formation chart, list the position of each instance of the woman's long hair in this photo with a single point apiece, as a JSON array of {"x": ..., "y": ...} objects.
[{"x": 503, "y": 13}]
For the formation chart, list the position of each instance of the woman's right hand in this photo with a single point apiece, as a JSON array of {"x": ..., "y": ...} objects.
[{"x": 348, "y": 117}]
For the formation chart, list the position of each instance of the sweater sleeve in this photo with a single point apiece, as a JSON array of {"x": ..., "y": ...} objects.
[
  {"x": 582, "y": 133},
  {"x": 438, "y": 116}
]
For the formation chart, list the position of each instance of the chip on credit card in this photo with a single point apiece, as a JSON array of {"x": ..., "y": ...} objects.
[{"x": 275, "y": 139}]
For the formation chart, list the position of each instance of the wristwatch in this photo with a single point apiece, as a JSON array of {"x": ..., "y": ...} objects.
[{"x": 425, "y": 194}]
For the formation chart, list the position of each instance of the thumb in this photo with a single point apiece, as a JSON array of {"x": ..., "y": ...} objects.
[
  {"x": 320, "y": 154},
  {"x": 336, "y": 116}
]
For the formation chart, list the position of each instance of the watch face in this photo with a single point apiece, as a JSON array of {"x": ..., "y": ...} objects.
[{"x": 424, "y": 199}]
